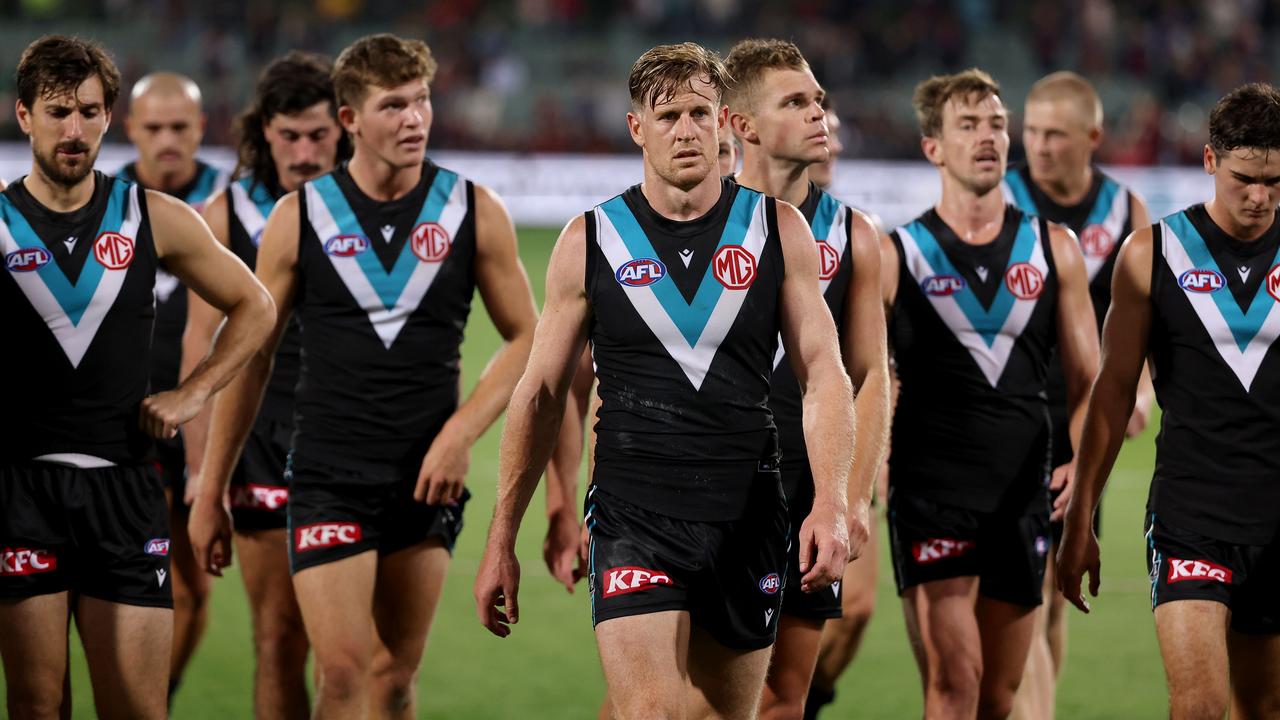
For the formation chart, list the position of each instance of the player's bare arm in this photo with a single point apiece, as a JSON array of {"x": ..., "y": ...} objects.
[
  {"x": 865, "y": 356},
  {"x": 1124, "y": 349},
  {"x": 202, "y": 324},
  {"x": 235, "y": 408},
  {"x": 562, "y": 547},
  {"x": 533, "y": 421},
  {"x": 188, "y": 250},
  {"x": 1077, "y": 344},
  {"x": 809, "y": 336},
  {"x": 1140, "y": 218},
  {"x": 504, "y": 287}
]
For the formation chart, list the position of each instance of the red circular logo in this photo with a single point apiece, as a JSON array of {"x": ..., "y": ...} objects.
[
  {"x": 828, "y": 260},
  {"x": 113, "y": 250},
  {"x": 1095, "y": 241},
  {"x": 1273, "y": 282},
  {"x": 734, "y": 267},
  {"x": 1024, "y": 280},
  {"x": 430, "y": 242}
]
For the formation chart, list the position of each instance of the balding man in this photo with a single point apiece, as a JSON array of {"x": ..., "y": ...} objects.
[{"x": 166, "y": 124}]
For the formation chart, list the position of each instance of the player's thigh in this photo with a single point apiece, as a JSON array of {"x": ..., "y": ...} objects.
[
  {"x": 645, "y": 660},
  {"x": 725, "y": 682},
  {"x": 1006, "y": 630},
  {"x": 940, "y": 618},
  {"x": 264, "y": 567},
  {"x": 407, "y": 594},
  {"x": 127, "y": 649},
  {"x": 1193, "y": 644},
  {"x": 1255, "y": 675},
  {"x": 795, "y": 653},
  {"x": 33, "y": 646},
  {"x": 189, "y": 579},
  {"x": 336, "y": 599}
]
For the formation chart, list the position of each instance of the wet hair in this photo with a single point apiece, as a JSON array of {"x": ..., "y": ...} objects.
[
  {"x": 57, "y": 64},
  {"x": 381, "y": 60},
  {"x": 932, "y": 95},
  {"x": 1248, "y": 117},
  {"x": 664, "y": 71},
  {"x": 287, "y": 86},
  {"x": 748, "y": 61}
]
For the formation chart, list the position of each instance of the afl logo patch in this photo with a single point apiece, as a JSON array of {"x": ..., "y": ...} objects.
[
  {"x": 27, "y": 259},
  {"x": 1204, "y": 281},
  {"x": 1096, "y": 242},
  {"x": 157, "y": 546},
  {"x": 640, "y": 272},
  {"x": 1273, "y": 282},
  {"x": 430, "y": 242},
  {"x": 113, "y": 250},
  {"x": 828, "y": 260},
  {"x": 734, "y": 267},
  {"x": 770, "y": 584},
  {"x": 942, "y": 285},
  {"x": 1024, "y": 280},
  {"x": 346, "y": 245}
]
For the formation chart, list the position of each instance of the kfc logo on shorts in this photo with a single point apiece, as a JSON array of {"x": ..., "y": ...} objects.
[
  {"x": 623, "y": 580},
  {"x": 1024, "y": 280},
  {"x": 27, "y": 259},
  {"x": 828, "y": 260},
  {"x": 113, "y": 250},
  {"x": 260, "y": 497},
  {"x": 322, "y": 535},
  {"x": 734, "y": 267},
  {"x": 21, "y": 561},
  {"x": 1096, "y": 242},
  {"x": 935, "y": 549},
  {"x": 770, "y": 584},
  {"x": 157, "y": 546},
  {"x": 430, "y": 242},
  {"x": 1180, "y": 570}
]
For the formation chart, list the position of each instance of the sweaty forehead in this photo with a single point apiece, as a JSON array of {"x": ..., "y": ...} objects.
[
  {"x": 697, "y": 91},
  {"x": 989, "y": 105},
  {"x": 89, "y": 92},
  {"x": 1254, "y": 161}
]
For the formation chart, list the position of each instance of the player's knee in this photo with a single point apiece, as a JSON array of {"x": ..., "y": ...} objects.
[
  {"x": 639, "y": 706},
  {"x": 343, "y": 676},
  {"x": 958, "y": 680},
  {"x": 995, "y": 706},
  {"x": 395, "y": 687},
  {"x": 1198, "y": 703},
  {"x": 857, "y": 611},
  {"x": 35, "y": 700},
  {"x": 279, "y": 638}
]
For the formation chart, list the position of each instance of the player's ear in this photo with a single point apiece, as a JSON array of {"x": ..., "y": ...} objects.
[
  {"x": 347, "y": 118},
  {"x": 1095, "y": 137},
  {"x": 743, "y": 127},
  {"x": 23, "y": 114},
  {"x": 932, "y": 149},
  {"x": 634, "y": 126},
  {"x": 1210, "y": 160}
]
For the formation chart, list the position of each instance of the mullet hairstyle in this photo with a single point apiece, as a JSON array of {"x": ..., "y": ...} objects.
[
  {"x": 1066, "y": 85},
  {"x": 932, "y": 95},
  {"x": 287, "y": 86},
  {"x": 381, "y": 60},
  {"x": 1248, "y": 117},
  {"x": 57, "y": 64},
  {"x": 666, "y": 70},
  {"x": 747, "y": 62}
]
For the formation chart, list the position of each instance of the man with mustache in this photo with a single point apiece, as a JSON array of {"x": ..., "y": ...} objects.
[
  {"x": 287, "y": 136},
  {"x": 165, "y": 123},
  {"x": 978, "y": 295},
  {"x": 83, "y": 524}
]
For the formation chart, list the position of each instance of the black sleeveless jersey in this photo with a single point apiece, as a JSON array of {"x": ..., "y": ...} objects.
[
  {"x": 1214, "y": 322},
  {"x": 77, "y": 294},
  {"x": 683, "y": 332},
  {"x": 171, "y": 295},
  {"x": 383, "y": 296},
  {"x": 248, "y": 205},
  {"x": 972, "y": 329},
  {"x": 831, "y": 223}
]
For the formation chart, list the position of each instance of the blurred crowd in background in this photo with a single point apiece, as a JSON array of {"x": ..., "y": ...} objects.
[{"x": 550, "y": 75}]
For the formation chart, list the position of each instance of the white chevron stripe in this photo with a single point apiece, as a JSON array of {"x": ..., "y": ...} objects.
[
  {"x": 1243, "y": 364},
  {"x": 251, "y": 218},
  {"x": 1113, "y": 224},
  {"x": 694, "y": 361}
]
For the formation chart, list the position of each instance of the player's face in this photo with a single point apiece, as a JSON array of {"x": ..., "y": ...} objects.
[
  {"x": 393, "y": 123},
  {"x": 1058, "y": 138},
  {"x": 789, "y": 118},
  {"x": 1246, "y": 184},
  {"x": 973, "y": 145},
  {"x": 822, "y": 173},
  {"x": 727, "y": 155},
  {"x": 303, "y": 145},
  {"x": 680, "y": 136},
  {"x": 166, "y": 129},
  {"x": 66, "y": 131}
]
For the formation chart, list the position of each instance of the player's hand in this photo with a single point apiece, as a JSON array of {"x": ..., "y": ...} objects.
[
  {"x": 1140, "y": 417},
  {"x": 497, "y": 585},
  {"x": 163, "y": 413},
  {"x": 859, "y": 528},
  {"x": 824, "y": 547},
  {"x": 444, "y": 470},
  {"x": 209, "y": 527},
  {"x": 1062, "y": 482},
  {"x": 1078, "y": 555},
  {"x": 561, "y": 549}
]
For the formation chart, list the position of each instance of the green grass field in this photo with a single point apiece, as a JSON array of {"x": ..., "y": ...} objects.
[{"x": 548, "y": 667}]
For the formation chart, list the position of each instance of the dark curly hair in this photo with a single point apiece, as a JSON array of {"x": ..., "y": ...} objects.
[
  {"x": 55, "y": 64},
  {"x": 1248, "y": 117}
]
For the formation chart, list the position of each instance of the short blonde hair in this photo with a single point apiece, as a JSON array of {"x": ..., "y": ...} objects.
[
  {"x": 381, "y": 60},
  {"x": 749, "y": 59},
  {"x": 1066, "y": 85},
  {"x": 932, "y": 95},
  {"x": 662, "y": 72}
]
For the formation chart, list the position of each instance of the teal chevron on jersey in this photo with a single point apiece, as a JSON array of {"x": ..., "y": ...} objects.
[
  {"x": 824, "y": 216},
  {"x": 252, "y": 202},
  {"x": 1101, "y": 209},
  {"x": 690, "y": 318},
  {"x": 1019, "y": 194}
]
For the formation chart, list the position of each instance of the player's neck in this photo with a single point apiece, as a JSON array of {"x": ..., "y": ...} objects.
[
  {"x": 154, "y": 179},
  {"x": 1070, "y": 189},
  {"x": 380, "y": 180},
  {"x": 674, "y": 203},
  {"x": 975, "y": 219},
  {"x": 57, "y": 197},
  {"x": 785, "y": 180},
  {"x": 1224, "y": 221}
]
